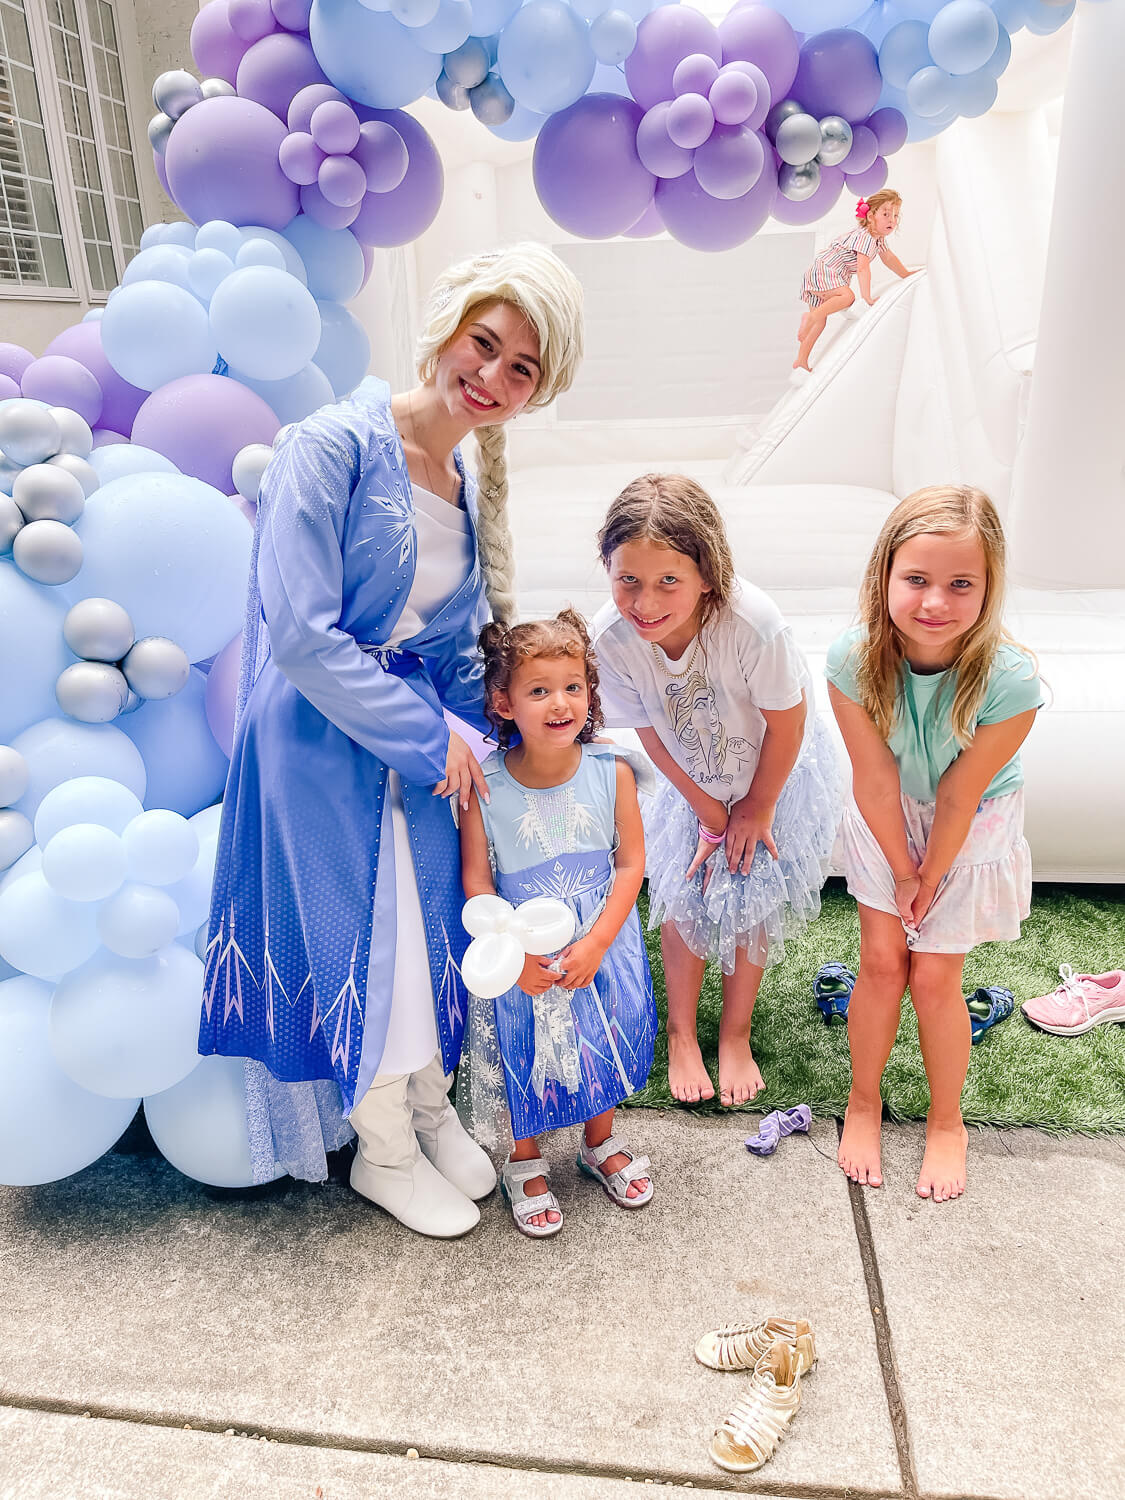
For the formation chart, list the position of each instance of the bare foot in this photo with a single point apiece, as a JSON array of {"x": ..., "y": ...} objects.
[
  {"x": 943, "y": 1166},
  {"x": 858, "y": 1155},
  {"x": 801, "y": 365},
  {"x": 739, "y": 1076},
  {"x": 688, "y": 1079}
]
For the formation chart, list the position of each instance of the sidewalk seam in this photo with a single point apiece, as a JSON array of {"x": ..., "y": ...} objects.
[{"x": 884, "y": 1347}]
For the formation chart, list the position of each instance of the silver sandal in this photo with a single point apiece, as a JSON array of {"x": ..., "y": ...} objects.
[
  {"x": 615, "y": 1185},
  {"x": 513, "y": 1175}
]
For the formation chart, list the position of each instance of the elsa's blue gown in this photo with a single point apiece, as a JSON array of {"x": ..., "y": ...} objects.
[{"x": 301, "y": 947}]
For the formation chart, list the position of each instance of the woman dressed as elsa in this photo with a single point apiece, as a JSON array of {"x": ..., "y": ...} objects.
[{"x": 335, "y": 937}]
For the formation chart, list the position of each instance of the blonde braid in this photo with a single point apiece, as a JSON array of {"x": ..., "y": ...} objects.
[{"x": 494, "y": 536}]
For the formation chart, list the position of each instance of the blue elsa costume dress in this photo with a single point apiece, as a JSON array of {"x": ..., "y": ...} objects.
[
  {"x": 562, "y": 1057},
  {"x": 337, "y": 735}
]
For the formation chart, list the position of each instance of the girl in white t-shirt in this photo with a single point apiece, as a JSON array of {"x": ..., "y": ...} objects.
[{"x": 739, "y": 835}]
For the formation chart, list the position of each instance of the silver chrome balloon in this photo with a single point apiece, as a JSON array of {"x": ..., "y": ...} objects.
[
  {"x": 798, "y": 139},
  {"x": 131, "y": 704},
  {"x": 16, "y": 837},
  {"x": 491, "y": 102},
  {"x": 799, "y": 183},
  {"x": 99, "y": 630},
  {"x": 781, "y": 111},
  {"x": 70, "y": 463},
  {"x": 216, "y": 88},
  {"x": 91, "y": 691},
  {"x": 835, "y": 140},
  {"x": 175, "y": 92},
  {"x": 159, "y": 129},
  {"x": 452, "y": 95},
  {"x": 45, "y": 492},
  {"x": 28, "y": 432},
  {"x": 11, "y": 521},
  {"x": 75, "y": 434},
  {"x": 156, "y": 667},
  {"x": 248, "y": 467},
  {"x": 468, "y": 65},
  {"x": 47, "y": 551},
  {"x": 13, "y": 775}
]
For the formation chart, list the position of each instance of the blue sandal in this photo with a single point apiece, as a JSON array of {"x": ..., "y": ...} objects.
[
  {"x": 832, "y": 990},
  {"x": 987, "y": 1005}
]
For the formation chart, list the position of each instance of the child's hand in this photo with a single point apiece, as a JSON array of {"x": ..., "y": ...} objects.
[
  {"x": 906, "y": 889},
  {"x": 923, "y": 900},
  {"x": 704, "y": 849},
  {"x": 538, "y": 975},
  {"x": 749, "y": 826},
  {"x": 580, "y": 962}
]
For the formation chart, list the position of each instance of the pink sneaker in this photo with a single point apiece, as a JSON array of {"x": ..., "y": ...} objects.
[{"x": 1080, "y": 1003}]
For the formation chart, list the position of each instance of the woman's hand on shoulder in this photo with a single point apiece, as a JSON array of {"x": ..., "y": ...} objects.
[{"x": 462, "y": 773}]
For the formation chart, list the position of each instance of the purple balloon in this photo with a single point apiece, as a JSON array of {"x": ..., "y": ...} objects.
[
  {"x": 889, "y": 126},
  {"x": 695, "y": 74},
  {"x": 401, "y": 215},
  {"x": 9, "y": 390},
  {"x": 342, "y": 181},
  {"x": 222, "y": 163},
  {"x": 865, "y": 148},
  {"x": 734, "y": 97},
  {"x": 251, "y": 19},
  {"x": 368, "y": 265},
  {"x": 277, "y": 68},
  {"x": 216, "y": 49},
  {"x": 757, "y": 34},
  {"x": 307, "y": 101},
  {"x": 862, "y": 183},
  {"x": 785, "y": 211},
  {"x": 649, "y": 223},
  {"x": 300, "y": 157},
  {"x": 731, "y": 161},
  {"x": 161, "y": 172},
  {"x": 105, "y": 437},
  {"x": 690, "y": 121},
  {"x": 334, "y": 127},
  {"x": 120, "y": 401},
  {"x": 586, "y": 169},
  {"x": 201, "y": 422},
  {"x": 292, "y": 14},
  {"x": 61, "y": 381},
  {"x": 664, "y": 38},
  {"x": 14, "y": 360},
  {"x": 222, "y": 689},
  {"x": 701, "y": 222},
  {"x": 838, "y": 75},
  {"x": 382, "y": 154},
  {"x": 655, "y": 148},
  {"x": 329, "y": 215}
]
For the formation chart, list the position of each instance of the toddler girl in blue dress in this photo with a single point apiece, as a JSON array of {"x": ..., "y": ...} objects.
[{"x": 575, "y": 1036}]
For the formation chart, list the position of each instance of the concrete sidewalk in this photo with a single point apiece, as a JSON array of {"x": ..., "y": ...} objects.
[{"x": 308, "y": 1342}]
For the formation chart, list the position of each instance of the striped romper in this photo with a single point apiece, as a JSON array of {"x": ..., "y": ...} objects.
[{"x": 835, "y": 266}]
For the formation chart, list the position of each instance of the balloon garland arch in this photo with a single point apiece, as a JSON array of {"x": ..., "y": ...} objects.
[{"x": 131, "y": 450}]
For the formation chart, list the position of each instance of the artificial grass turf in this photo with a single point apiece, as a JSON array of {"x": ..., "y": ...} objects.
[{"x": 1017, "y": 1075}]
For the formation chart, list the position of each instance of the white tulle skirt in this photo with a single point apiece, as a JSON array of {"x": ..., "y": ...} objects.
[{"x": 778, "y": 898}]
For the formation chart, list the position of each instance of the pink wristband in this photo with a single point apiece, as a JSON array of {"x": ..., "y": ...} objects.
[{"x": 711, "y": 838}]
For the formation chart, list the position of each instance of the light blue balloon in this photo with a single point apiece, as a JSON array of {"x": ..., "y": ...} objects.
[
  {"x": 332, "y": 258},
  {"x": 344, "y": 351},
  {"x": 161, "y": 263},
  {"x": 812, "y": 16},
  {"x": 1001, "y": 57},
  {"x": 172, "y": 551},
  {"x": 116, "y": 460},
  {"x": 1010, "y": 13},
  {"x": 903, "y": 51},
  {"x": 613, "y": 36},
  {"x": 154, "y": 332},
  {"x": 123, "y": 1027},
  {"x": 84, "y": 862},
  {"x": 58, "y": 750},
  {"x": 369, "y": 56},
  {"x": 1044, "y": 19},
  {"x": 138, "y": 921},
  {"x": 153, "y": 234},
  {"x": 180, "y": 233},
  {"x": 491, "y": 16},
  {"x": 43, "y": 934},
  {"x": 161, "y": 847},
  {"x": 95, "y": 315},
  {"x": 293, "y": 262},
  {"x": 82, "y": 801},
  {"x": 919, "y": 10},
  {"x": 265, "y": 322},
  {"x": 49, "y": 1127},
  {"x": 207, "y": 269},
  {"x": 291, "y": 400},
  {"x": 186, "y": 768},
  {"x": 524, "y": 124},
  {"x": 963, "y": 36},
  {"x": 218, "y": 234},
  {"x": 545, "y": 58},
  {"x": 608, "y": 80},
  {"x": 931, "y": 92},
  {"x": 976, "y": 94},
  {"x": 200, "y": 1124},
  {"x": 448, "y": 29},
  {"x": 260, "y": 252},
  {"x": 193, "y": 894},
  {"x": 32, "y": 650}
]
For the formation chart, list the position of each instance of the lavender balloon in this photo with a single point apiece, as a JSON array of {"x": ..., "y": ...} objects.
[
  {"x": 402, "y": 214},
  {"x": 865, "y": 148},
  {"x": 838, "y": 75},
  {"x": 14, "y": 360},
  {"x": 201, "y": 422},
  {"x": 702, "y": 222},
  {"x": 587, "y": 172},
  {"x": 690, "y": 121},
  {"x": 664, "y": 39},
  {"x": 757, "y": 34},
  {"x": 61, "y": 381},
  {"x": 214, "y": 45},
  {"x": 222, "y": 163},
  {"x": 276, "y": 68},
  {"x": 889, "y": 128},
  {"x": 862, "y": 183},
  {"x": 655, "y": 148},
  {"x": 382, "y": 154},
  {"x": 730, "y": 162}
]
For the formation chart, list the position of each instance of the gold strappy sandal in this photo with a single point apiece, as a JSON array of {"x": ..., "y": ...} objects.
[
  {"x": 750, "y": 1435},
  {"x": 740, "y": 1346}
]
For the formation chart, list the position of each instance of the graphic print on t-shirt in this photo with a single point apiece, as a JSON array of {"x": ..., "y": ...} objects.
[{"x": 694, "y": 716}]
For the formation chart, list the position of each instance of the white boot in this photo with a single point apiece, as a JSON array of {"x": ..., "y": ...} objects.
[
  {"x": 442, "y": 1137},
  {"x": 391, "y": 1171}
]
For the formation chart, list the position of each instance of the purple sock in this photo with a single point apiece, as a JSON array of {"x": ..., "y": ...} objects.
[{"x": 774, "y": 1126}]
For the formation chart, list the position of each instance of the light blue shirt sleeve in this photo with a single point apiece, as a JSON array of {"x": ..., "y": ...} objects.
[
  {"x": 840, "y": 665},
  {"x": 303, "y": 504},
  {"x": 1013, "y": 687}
]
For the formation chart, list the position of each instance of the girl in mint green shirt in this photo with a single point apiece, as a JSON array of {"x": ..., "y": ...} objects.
[{"x": 933, "y": 700}]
